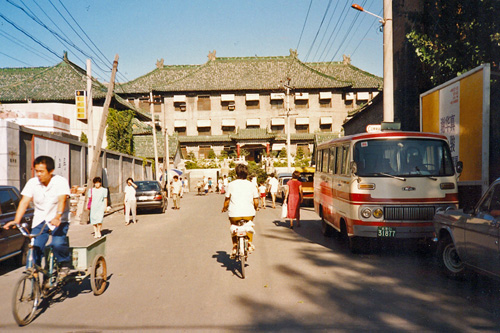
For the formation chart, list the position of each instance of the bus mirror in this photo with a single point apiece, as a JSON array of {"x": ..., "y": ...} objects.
[
  {"x": 460, "y": 167},
  {"x": 354, "y": 168}
]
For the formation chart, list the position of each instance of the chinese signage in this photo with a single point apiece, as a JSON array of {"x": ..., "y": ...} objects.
[
  {"x": 459, "y": 109},
  {"x": 59, "y": 151},
  {"x": 81, "y": 104}
]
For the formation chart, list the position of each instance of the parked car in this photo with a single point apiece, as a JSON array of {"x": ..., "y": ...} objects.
[
  {"x": 283, "y": 178},
  {"x": 469, "y": 238},
  {"x": 150, "y": 195},
  {"x": 12, "y": 242}
]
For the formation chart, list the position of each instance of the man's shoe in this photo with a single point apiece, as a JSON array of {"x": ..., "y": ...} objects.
[{"x": 63, "y": 271}]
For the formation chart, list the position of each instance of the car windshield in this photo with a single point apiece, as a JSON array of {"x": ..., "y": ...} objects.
[
  {"x": 307, "y": 177},
  {"x": 147, "y": 186},
  {"x": 285, "y": 180},
  {"x": 403, "y": 157}
]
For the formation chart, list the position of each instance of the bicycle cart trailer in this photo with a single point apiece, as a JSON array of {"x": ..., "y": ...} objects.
[{"x": 38, "y": 283}]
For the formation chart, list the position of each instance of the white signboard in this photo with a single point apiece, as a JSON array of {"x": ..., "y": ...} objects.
[
  {"x": 449, "y": 116},
  {"x": 59, "y": 151}
]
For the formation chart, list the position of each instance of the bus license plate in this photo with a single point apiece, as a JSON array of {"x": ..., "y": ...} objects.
[{"x": 386, "y": 232}]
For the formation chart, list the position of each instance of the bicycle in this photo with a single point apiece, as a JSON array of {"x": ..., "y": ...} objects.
[
  {"x": 241, "y": 229},
  {"x": 42, "y": 282}
]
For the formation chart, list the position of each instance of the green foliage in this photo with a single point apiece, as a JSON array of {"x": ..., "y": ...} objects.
[
  {"x": 191, "y": 156},
  {"x": 119, "y": 131},
  {"x": 244, "y": 152},
  {"x": 223, "y": 155},
  {"x": 191, "y": 165},
  {"x": 455, "y": 36},
  {"x": 83, "y": 138},
  {"x": 211, "y": 154},
  {"x": 283, "y": 153}
]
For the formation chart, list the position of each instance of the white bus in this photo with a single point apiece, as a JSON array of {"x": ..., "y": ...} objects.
[{"x": 385, "y": 184}]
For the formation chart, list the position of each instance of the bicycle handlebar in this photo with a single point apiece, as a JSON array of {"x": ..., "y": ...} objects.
[{"x": 23, "y": 228}]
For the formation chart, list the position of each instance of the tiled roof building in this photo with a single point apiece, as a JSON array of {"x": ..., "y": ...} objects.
[{"x": 240, "y": 102}]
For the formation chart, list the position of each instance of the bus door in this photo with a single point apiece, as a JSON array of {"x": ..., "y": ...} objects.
[
  {"x": 342, "y": 182},
  {"x": 325, "y": 186}
]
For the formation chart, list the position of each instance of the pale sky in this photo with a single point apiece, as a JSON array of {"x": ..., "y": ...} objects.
[{"x": 183, "y": 32}]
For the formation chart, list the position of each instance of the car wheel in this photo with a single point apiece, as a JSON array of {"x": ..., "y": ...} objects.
[{"x": 449, "y": 260}]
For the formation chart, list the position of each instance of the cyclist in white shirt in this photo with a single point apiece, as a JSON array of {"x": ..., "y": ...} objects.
[
  {"x": 241, "y": 202},
  {"x": 50, "y": 194}
]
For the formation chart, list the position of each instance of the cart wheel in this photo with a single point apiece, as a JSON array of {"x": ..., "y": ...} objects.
[{"x": 98, "y": 275}]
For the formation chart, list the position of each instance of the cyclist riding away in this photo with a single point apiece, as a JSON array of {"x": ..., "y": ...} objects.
[
  {"x": 49, "y": 194},
  {"x": 241, "y": 202}
]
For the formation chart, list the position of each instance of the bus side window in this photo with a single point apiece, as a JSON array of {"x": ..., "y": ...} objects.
[
  {"x": 339, "y": 160},
  {"x": 345, "y": 163},
  {"x": 324, "y": 167},
  {"x": 332, "y": 160},
  {"x": 319, "y": 158}
]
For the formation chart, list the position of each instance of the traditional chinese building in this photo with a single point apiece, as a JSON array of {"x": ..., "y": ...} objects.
[{"x": 240, "y": 102}]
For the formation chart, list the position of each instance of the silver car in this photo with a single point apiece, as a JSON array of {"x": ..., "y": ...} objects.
[{"x": 470, "y": 238}]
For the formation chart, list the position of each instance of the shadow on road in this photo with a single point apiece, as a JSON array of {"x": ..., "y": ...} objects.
[{"x": 228, "y": 263}]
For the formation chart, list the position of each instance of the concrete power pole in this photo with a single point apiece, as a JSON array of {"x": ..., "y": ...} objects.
[
  {"x": 90, "y": 114},
  {"x": 153, "y": 123},
  {"x": 100, "y": 136},
  {"x": 388, "y": 64}
]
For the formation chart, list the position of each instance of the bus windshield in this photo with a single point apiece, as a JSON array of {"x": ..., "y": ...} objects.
[{"x": 403, "y": 157}]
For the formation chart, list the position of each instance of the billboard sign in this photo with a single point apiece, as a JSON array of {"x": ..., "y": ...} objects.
[{"x": 460, "y": 109}]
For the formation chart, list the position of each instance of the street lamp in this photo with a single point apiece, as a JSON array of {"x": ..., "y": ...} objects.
[{"x": 388, "y": 58}]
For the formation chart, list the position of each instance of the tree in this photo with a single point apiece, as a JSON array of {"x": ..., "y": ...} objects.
[
  {"x": 283, "y": 153},
  {"x": 211, "y": 154},
  {"x": 455, "y": 36},
  {"x": 119, "y": 131},
  {"x": 83, "y": 138}
]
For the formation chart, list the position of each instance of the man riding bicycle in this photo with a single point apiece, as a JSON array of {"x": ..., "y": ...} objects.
[
  {"x": 241, "y": 202},
  {"x": 49, "y": 194}
]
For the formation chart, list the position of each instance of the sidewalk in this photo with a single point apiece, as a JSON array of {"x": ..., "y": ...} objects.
[{"x": 82, "y": 234}]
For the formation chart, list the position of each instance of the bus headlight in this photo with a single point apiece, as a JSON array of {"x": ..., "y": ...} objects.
[
  {"x": 366, "y": 213},
  {"x": 378, "y": 213}
]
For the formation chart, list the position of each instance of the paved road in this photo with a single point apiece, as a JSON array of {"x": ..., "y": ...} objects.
[{"x": 172, "y": 272}]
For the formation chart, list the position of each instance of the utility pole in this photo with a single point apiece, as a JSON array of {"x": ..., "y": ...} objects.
[
  {"x": 90, "y": 114},
  {"x": 288, "y": 129},
  {"x": 100, "y": 135},
  {"x": 153, "y": 123},
  {"x": 388, "y": 64},
  {"x": 386, "y": 22}
]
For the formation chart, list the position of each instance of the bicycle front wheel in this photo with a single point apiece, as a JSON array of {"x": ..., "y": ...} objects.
[{"x": 25, "y": 300}]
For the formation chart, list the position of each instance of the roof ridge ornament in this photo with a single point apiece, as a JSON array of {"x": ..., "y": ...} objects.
[
  {"x": 347, "y": 60},
  {"x": 211, "y": 55},
  {"x": 159, "y": 63},
  {"x": 294, "y": 53}
]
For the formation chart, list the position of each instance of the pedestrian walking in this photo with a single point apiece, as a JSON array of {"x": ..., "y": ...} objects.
[
  {"x": 98, "y": 198},
  {"x": 49, "y": 194},
  {"x": 220, "y": 185},
  {"x": 293, "y": 198},
  {"x": 262, "y": 193},
  {"x": 130, "y": 202},
  {"x": 273, "y": 188},
  {"x": 176, "y": 190}
]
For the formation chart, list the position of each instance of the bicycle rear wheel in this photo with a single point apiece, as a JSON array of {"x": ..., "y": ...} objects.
[
  {"x": 25, "y": 300},
  {"x": 242, "y": 254}
]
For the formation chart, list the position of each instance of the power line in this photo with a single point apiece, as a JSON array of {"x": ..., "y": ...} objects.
[
  {"x": 307, "y": 15},
  {"x": 30, "y": 36},
  {"x": 326, "y": 30},
  {"x": 23, "y": 45},
  {"x": 334, "y": 31},
  {"x": 8, "y": 56},
  {"x": 317, "y": 33}
]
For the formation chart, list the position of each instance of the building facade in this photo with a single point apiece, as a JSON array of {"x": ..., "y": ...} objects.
[{"x": 231, "y": 104}]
